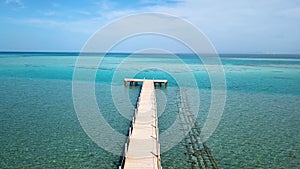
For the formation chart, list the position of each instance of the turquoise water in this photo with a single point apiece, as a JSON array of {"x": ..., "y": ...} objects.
[{"x": 39, "y": 127}]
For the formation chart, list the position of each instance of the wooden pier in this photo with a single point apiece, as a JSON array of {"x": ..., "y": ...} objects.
[{"x": 142, "y": 149}]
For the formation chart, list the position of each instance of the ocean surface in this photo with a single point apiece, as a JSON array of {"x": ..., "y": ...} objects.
[{"x": 39, "y": 128}]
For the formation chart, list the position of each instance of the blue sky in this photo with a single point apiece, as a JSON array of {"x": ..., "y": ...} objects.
[{"x": 233, "y": 26}]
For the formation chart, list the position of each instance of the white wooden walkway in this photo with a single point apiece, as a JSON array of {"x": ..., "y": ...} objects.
[{"x": 144, "y": 150}]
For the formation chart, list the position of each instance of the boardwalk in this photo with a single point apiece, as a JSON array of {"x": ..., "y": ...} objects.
[{"x": 143, "y": 150}]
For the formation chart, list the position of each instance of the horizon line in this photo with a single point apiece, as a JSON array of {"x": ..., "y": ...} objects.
[{"x": 127, "y": 52}]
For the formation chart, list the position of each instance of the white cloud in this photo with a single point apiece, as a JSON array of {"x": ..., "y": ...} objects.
[
  {"x": 38, "y": 22},
  {"x": 291, "y": 12},
  {"x": 18, "y": 3},
  {"x": 13, "y": 1},
  {"x": 56, "y": 5},
  {"x": 160, "y": 2},
  {"x": 104, "y": 5},
  {"x": 86, "y": 26},
  {"x": 50, "y": 13},
  {"x": 84, "y": 12},
  {"x": 231, "y": 25}
]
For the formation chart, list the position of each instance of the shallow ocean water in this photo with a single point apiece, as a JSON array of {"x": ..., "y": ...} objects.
[{"x": 39, "y": 127}]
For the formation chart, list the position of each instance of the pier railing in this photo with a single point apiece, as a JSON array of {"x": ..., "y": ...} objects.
[{"x": 129, "y": 133}]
